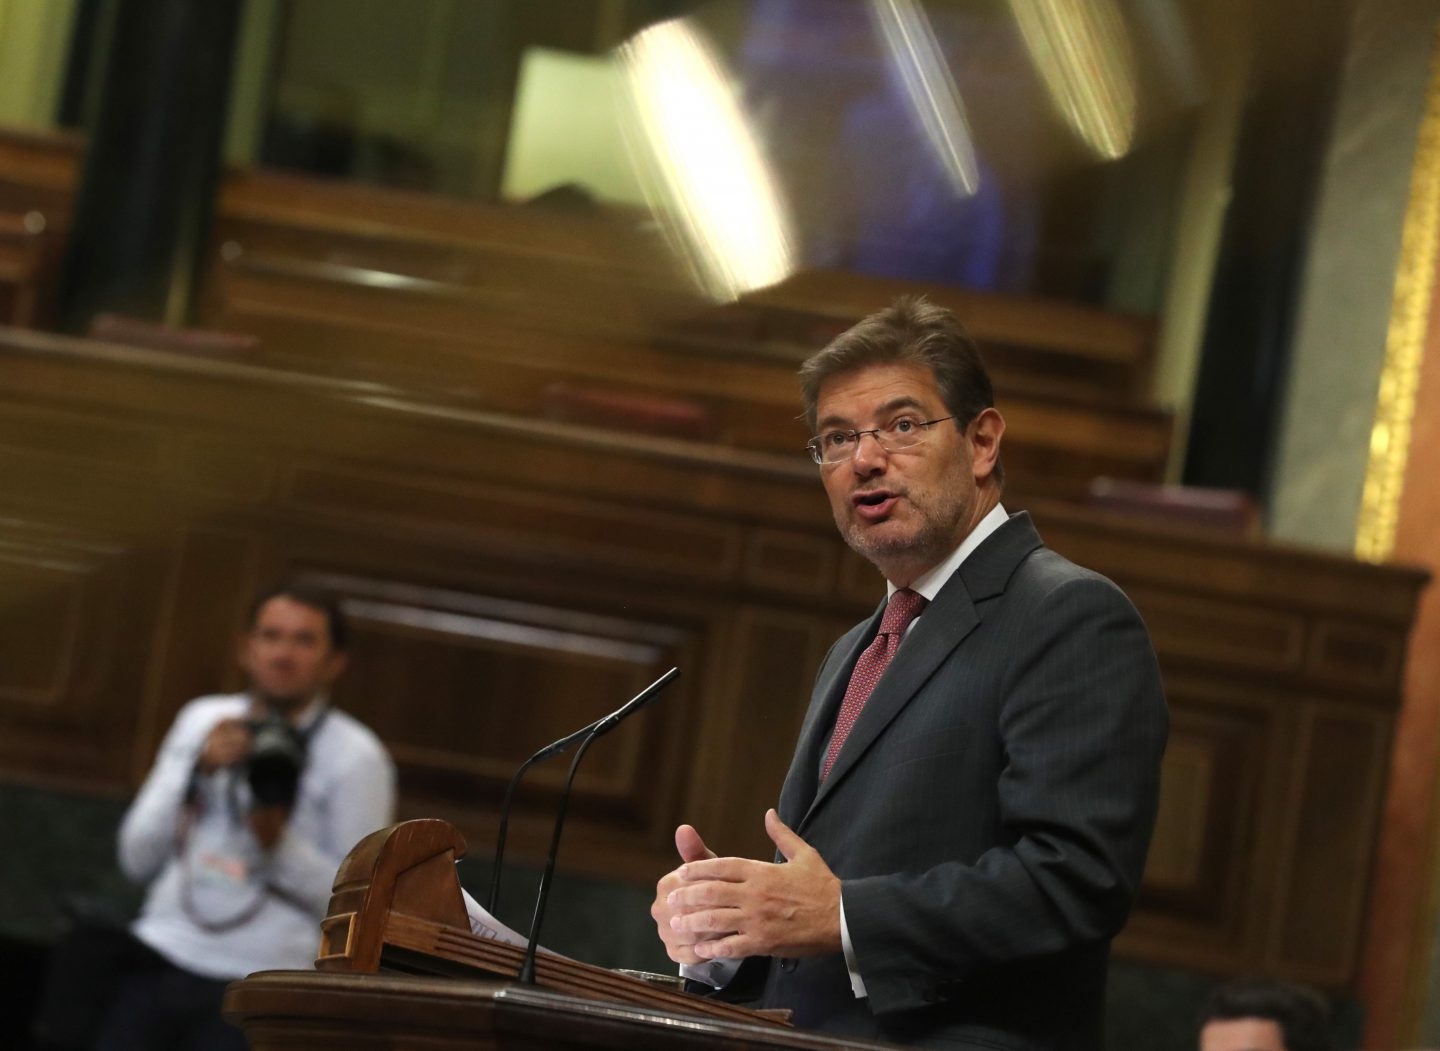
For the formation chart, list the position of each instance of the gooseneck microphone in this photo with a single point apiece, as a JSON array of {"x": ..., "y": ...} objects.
[
  {"x": 596, "y": 729},
  {"x": 552, "y": 749},
  {"x": 600, "y": 726}
]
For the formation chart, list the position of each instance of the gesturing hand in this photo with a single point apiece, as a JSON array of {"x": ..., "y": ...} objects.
[
  {"x": 733, "y": 907},
  {"x": 678, "y": 944},
  {"x": 226, "y": 744}
]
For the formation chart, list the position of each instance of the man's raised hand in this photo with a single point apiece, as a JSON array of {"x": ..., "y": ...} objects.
[{"x": 728, "y": 908}]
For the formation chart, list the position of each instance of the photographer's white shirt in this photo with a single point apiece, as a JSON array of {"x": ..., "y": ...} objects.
[{"x": 218, "y": 905}]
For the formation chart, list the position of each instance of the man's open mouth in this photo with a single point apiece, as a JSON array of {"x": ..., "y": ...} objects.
[{"x": 874, "y": 505}]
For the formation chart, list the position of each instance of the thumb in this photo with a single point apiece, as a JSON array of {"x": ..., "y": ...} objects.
[
  {"x": 783, "y": 836},
  {"x": 690, "y": 846}
]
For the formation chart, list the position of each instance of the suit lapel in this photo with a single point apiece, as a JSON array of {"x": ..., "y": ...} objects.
[{"x": 947, "y": 621}]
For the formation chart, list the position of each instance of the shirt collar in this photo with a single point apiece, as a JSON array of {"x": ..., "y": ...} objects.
[
  {"x": 308, "y": 715},
  {"x": 930, "y": 582}
]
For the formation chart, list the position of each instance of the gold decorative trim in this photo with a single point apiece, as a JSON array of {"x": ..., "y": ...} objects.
[{"x": 1404, "y": 339}]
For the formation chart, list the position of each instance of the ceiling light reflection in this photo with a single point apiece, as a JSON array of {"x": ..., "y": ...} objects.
[
  {"x": 916, "y": 56},
  {"x": 1082, "y": 53},
  {"x": 704, "y": 172}
]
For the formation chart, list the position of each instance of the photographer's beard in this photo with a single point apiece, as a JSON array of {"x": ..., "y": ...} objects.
[{"x": 285, "y": 686}]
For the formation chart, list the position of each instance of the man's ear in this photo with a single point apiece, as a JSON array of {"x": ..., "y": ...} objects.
[{"x": 986, "y": 430}]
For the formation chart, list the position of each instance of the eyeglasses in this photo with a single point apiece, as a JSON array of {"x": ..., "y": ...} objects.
[{"x": 838, "y": 446}]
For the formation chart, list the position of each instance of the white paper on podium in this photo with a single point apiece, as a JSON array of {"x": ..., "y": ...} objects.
[{"x": 487, "y": 926}]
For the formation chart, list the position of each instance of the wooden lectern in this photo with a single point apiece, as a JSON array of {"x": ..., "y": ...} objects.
[{"x": 397, "y": 907}]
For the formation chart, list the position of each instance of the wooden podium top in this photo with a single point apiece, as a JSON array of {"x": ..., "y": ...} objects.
[
  {"x": 397, "y": 906},
  {"x": 308, "y": 1010}
]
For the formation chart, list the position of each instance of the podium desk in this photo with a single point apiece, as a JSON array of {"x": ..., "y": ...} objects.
[{"x": 316, "y": 1011}]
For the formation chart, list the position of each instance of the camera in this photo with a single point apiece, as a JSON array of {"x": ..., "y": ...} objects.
[{"x": 277, "y": 755}]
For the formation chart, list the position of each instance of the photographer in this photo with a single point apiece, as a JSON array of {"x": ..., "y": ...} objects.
[{"x": 253, "y": 801}]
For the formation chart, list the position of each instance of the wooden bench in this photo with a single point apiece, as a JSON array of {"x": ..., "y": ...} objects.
[{"x": 517, "y": 312}]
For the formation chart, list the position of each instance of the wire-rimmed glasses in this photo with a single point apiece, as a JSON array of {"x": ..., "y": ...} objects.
[{"x": 836, "y": 446}]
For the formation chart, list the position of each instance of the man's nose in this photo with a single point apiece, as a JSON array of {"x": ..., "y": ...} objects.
[{"x": 869, "y": 456}]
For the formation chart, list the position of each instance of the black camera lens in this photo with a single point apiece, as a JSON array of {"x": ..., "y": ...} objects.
[{"x": 277, "y": 755}]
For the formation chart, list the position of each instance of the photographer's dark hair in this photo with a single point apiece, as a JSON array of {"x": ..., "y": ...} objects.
[
  {"x": 311, "y": 595},
  {"x": 1301, "y": 1013}
]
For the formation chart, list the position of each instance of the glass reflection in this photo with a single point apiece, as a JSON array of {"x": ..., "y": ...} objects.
[
  {"x": 1081, "y": 50},
  {"x": 706, "y": 175},
  {"x": 1035, "y": 147},
  {"x": 920, "y": 65}
]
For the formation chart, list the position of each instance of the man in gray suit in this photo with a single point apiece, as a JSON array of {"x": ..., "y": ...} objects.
[{"x": 963, "y": 828}]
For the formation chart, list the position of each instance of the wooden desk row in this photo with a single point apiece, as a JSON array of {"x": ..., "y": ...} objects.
[{"x": 583, "y": 318}]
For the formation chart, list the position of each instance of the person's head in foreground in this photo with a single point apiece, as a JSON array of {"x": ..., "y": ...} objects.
[{"x": 1254, "y": 1014}]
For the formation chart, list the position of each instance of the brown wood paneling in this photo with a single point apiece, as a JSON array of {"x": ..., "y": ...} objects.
[
  {"x": 1318, "y": 926},
  {"x": 770, "y": 659},
  {"x": 76, "y": 626},
  {"x": 62, "y": 432},
  {"x": 510, "y": 518},
  {"x": 43, "y": 609},
  {"x": 790, "y": 562},
  {"x": 1215, "y": 838},
  {"x": 484, "y": 686},
  {"x": 1223, "y": 632},
  {"x": 203, "y": 614},
  {"x": 1357, "y": 653}
]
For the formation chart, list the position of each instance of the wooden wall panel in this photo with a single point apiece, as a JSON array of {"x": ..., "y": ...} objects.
[
  {"x": 790, "y": 562},
  {"x": 1203, "y": 629},
  {"x": 505, "y": 517},
  {"x": 1318, "y": 927},
  {"x": 464, "y": 687},
  {"x": 39, "y": 652},
  {"x": 77, "y": 621},
  {"x": 1358, "y": 654},
  {"x": 212, "y": 573},
  {"x": 770, "y": 657},
  {"x": 1216, "y": 837}
]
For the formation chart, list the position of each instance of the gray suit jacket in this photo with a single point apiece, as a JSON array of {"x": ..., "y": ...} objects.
[{"x": 990, "y": 812}]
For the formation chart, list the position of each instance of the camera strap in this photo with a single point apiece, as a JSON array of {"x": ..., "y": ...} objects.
[
  {"x": 247, "y": 912},
  {"x": 182, "y": 843},
  {"x": 307, "y": 733}
]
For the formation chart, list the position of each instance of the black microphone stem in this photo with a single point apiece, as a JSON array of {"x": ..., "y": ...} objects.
[
  {"x": 527, "y": 969},
  {"x": 544, "y": 753},
  {"x": 600, "y": 726},
  {"x": 604, "y": 726}
]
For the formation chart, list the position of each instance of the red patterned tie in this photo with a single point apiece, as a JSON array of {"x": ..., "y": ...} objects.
[{"x": 904, "y": 606}]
